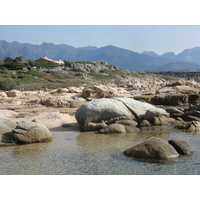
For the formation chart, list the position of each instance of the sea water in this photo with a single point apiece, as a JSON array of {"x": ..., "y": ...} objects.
[{"x": 88, "y": 153}]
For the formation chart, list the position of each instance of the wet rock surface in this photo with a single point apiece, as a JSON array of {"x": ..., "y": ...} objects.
[
  {"x": 182, "y": 147},
  {"x": 152, "y": 149},
  {"x": 157, "y": 149}
]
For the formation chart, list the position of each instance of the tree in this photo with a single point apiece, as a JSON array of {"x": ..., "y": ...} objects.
[
  {"x": 8, "y": 60},
  {"x": 31, "y": 62},
  {"x": 19, "y": 59}
]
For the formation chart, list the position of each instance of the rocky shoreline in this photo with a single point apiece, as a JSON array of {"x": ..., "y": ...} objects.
[{"x": 127, "y": 108}]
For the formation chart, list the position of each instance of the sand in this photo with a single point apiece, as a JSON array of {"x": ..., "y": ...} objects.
[{"x": 55, "y": 119}]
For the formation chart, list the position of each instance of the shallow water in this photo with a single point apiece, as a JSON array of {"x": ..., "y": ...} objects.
[{"x": 89, "y": 153}]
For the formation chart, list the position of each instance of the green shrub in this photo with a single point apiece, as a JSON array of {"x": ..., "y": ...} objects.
[
  {"x": 21, "y": 75},
  {"x": 8, "y": 84},
  {"x": 78, "y": 74},
  {"x": 35, "y": 73},
  {"x": 46, "y": 65},
  {"x": 68, "y": 63},
  {"x": 100, "y": 76}
]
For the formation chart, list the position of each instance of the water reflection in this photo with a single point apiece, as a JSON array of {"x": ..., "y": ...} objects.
[
  {"x": 30, "y": 150},
  {"x": 92, "y": 140},
  {"x": 90, "y": 153}
]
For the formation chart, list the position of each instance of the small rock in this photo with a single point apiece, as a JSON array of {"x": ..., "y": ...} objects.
[
  {"x": 145, "y": 123},
  {"x": 155, "y": 112},
  {"x": 95, "y": 126},
  {"x": 132, "y": 129},
  {"x": 194, "y": 126},
  {"x": 113, "y": 128},
  {"x": 127, "y": 122},
  {"x": 181, "y": 146},
  {"x": 14, "y": 93}
]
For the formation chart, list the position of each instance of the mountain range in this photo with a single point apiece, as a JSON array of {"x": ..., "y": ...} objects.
[{"x": 187, "y": 60}]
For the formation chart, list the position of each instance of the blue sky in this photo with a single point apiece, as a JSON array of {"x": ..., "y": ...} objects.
[
  {"x": 159, "y": 26},
  {"x": 157, "y": 38}
]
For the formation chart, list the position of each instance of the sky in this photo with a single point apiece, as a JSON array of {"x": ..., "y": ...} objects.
[
  {"x": 159, "y": 26},
  {"x": 138, "y": 38}
]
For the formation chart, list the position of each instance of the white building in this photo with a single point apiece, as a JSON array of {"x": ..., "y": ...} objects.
[{"x": 47, "y": 60}]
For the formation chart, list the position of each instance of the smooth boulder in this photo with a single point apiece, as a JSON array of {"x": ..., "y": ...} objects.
[
  {"x": 110, "y": 110},
  {"x": 6, "y": 127},
  {"x": 181, "y": 146},
  {"x": 154, "y": 149},
  {"x": 31, "y": 132}
]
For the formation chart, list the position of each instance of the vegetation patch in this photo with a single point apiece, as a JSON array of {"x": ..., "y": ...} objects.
[
  {"x": 101, "y": 76},
  {"x": 8, "y": 84}
]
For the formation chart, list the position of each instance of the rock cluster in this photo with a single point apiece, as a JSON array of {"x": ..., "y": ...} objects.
[
  {"x": 172, "y": 95},
  {"x": 95, "y": 67},
  {"x": 22, "y": 132},
  {"x": 119, "y": 115},
  {"x": 156, "y": 149}
]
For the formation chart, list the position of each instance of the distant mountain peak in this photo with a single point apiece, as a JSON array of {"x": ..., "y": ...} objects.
[{"x": 150, "y": 53}]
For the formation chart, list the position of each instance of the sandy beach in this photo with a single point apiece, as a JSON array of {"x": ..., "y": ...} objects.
[{"x": 55, "y": 119}]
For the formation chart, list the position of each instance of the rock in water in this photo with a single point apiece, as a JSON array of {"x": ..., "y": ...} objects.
[
  {"x": 181, "y": 146},
  {"x": 31, "y": 132},
  {"x": 154, "y": 149}
]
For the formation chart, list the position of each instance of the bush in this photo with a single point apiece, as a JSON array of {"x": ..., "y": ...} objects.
[
  {"x": 68, "y": 63},
  {"x": 78, "y": 74},
  {"x": 46, "y": 65},
  {"x": 100, "y": 76},
  {"x": 8, "y": 84},
  {"x": 35, "y": 73}
]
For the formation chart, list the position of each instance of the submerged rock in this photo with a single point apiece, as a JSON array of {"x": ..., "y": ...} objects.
[{"x": 154, "y": 149}]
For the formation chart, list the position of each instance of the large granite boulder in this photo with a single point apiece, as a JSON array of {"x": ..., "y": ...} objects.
[
  {"x": 6, "y": 127},
  {"x": 31, "y": 132},
  {"x": 154, "y": 149},
  {"x": 110, "y": 110}
]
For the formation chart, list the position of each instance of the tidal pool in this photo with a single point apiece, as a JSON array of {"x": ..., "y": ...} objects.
[{"x": 87, "y": 153}]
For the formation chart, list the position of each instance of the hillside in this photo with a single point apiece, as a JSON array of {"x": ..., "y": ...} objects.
[
  {"x": 14, "y": 74},
  {"x": 122, "y": 58}
]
